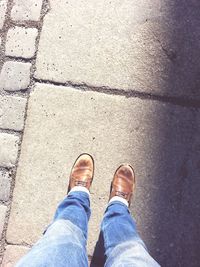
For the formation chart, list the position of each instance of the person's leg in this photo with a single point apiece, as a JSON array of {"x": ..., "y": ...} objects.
[
  {"x": 64, "y": 241},
  {"x": 123, "y": 245},
  {"x": 75, "y": 208}
]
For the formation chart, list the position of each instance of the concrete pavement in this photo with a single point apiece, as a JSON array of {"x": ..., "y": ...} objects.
[{"x": 119, "y": 80}]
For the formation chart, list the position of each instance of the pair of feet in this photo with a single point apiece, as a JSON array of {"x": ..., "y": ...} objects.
[{"x": 122, "y": 185}]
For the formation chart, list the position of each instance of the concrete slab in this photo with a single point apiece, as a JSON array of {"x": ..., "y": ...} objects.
[
  {"x": 159, "y": 140},
  {"x": 147, "y": 46},
  {"x": 13, "y": 254}
]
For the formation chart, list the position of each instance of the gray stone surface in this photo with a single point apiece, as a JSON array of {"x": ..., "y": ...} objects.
[
  {"x": 21, "y": 42},
  {"x": 13, "y": 254},
  {"x": 3, "y": 7},
  {"x": 147, "y": 46},
  {"x": 4, "y": 185},
  {"x": 15, "y": 76},
  {"x": 12, "y": 111},
  {"x": 26, "y": 10},
  {"x": 9, "y": 149},
  {"x": 160, "y": 140},
  {"x": 2, "y": 218}
]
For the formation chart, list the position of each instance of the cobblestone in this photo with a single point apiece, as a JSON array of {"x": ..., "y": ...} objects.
[
  {"x": 21, "y": 42},
  {"x": 13, "y": 254},
  {"x": 15, "y": 76},
  {"x": 3, "y": 6},
  {"x": 26, "y": 10},
  {"x": 20, "y": 30},
  {"x": 4, "y": 185},
  {"x": 12, "y": 111},
  {"x": 2, "y": 217},
  {"x": 9, "y": 149}
]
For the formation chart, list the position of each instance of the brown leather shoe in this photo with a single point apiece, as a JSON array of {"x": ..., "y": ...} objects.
[
  {"x": 123, "y": 183},
  {"x": 82, "y": 172}
]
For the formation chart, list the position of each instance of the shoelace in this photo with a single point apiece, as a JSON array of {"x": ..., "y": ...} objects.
[
  {"x": 122, "y": 194},
  {"x": 80, "y": 183}
]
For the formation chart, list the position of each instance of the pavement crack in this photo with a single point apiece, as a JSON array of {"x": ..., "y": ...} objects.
[
  {"x": 179, "y": 101},
  {"x": 24, "y": 244}
]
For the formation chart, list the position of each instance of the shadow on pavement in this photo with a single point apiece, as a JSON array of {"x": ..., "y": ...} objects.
[
  {"x": 170, "y": 213},
  {"x": 167, "y": 202},
  {"x": 98, "y": 259}
]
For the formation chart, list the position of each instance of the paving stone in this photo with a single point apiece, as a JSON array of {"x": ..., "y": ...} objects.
[
  {"x": 2, "y": 217},
  {"x": 3, "y": 7},
  {"x": 147, "y": 46},
  {"x": 21, "y": 42},
  {"x": 12, "y": 111},
  {"x": 160, "y": 140},
  {"x": 13, "y": 254},
  {"x": 26, "y": 10},
  {"x": 15, "y": 76},
  {"x": 9, "y": 149},
  {"x": 4, "y": 185}
]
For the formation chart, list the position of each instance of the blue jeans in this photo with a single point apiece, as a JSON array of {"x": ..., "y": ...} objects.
[{"x": 64, "y": 242}]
